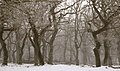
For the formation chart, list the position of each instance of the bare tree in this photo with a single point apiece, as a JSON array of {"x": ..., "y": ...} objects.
[{"x": 106, "y": 23}]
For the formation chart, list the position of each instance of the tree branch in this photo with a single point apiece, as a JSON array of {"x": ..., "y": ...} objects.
[
  {"x": 7, "y": 35},
  {"x": 67, "y": 7}
]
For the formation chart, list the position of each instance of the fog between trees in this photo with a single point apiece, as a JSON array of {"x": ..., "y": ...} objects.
[{"x": 60, "y": 32}]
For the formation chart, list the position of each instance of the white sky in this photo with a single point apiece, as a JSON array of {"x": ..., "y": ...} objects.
[{"x": 67, "y": 3}]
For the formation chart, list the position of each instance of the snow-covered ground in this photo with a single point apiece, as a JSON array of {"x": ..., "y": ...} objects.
[{"x": 30, "y": 67}]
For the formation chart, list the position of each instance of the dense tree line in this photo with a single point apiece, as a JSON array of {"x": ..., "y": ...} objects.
[{"x": 60, "y": 31}]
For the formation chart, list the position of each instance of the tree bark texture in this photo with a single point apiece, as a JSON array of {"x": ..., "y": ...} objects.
[{"x": 3, "y": 44}]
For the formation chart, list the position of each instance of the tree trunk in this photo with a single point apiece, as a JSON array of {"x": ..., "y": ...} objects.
[
  {"x": 44, "y": 50},
  {"x": 71, "y": 55},
  {"x": 5, "y": 52},
  {"x": 76, "y": 26},
  {"x": 96, "y": 50},
  {"x": 13, "y": 56},
  {"x": 119, "y": 54},
  {"x": 97, "y": 57},
  {"x": 50, "y": 59},
  {"x": 20, "y": 60},
  {"x": 21, "y": 48},
  {"x": 35, "y": 51},
  {"x": 35, "y": 57},
  {"x": 118, "y": 51},
  {"x": 110, "y": 61},
  {"x": 38, "y": 58},
  {"x": 76, "y": 58},
  {"x": 84, "y": 56},
  {"x": 106, "y": 57},
  {"x": 18, "y": 49},
  {"x": 9, "y": 50},
  {"x": 76, "y": 47},
  {"x": 29, "y": 53},
  {"x": 38, "y": 55},
  {"x": 65, "y": 48}
]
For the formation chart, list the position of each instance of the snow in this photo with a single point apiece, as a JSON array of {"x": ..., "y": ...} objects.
[{"x": 46, "y": 67}]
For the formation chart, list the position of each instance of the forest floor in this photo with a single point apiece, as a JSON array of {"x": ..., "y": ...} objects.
[{"x": 60, "y": 67}]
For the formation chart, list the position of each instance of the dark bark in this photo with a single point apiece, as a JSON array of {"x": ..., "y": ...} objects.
[
  {"x": 50, "y": 59},
  {"x": 0, "y": 52},
  {"x": 40, "y": 57},
  {"x": 29, "y": 57},
  {"x": 96, "y": 50},
  {"x": 3, "y": 44},
  {"x": 21, "y": 50},
  {"x": 110, "y": 61},
  {"x": 35, "y": 56},
  {"x": 44, "y": 49},
  {"x": 37, "y": 52},
  {"x": 9, "y": 49},
  {"x": 97, "y": 57},
  {"x": 118, "y": 50},
  {"x": 2, "y": 41},
  {"x": 37, "y": 47},
  {"x": 105, "y": 22},
  {"x": 107, "y": 58},
  {"x": 71, "y": 52},
  {"x": 65, "y": 48},
  {"x": 76, "y": 45},
  {"x": 20, "y": 57},
  {"x": 95, "y": 33},
  {"x": 76, "y": 48},
  {"x": 5, "y": 53},
  {"x": 76, "y": 57},
  {"x": 64, "y": 53}
]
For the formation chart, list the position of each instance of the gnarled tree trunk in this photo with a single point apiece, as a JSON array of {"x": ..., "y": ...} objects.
[
  {"x": 96, "y": 50},
  {"x": 107, "y": 58},
  {"x": 50, "y": 59},
  {"x": 21, "y": 49},
  {"x": 38, "y": 58},
  {"x": 3, "y": 44},
  {"x": 118, "y": 51}
]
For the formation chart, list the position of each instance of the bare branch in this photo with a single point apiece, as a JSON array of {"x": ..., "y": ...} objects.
[
  {"x": 7, "y": 35},
  {"x": 67, "y": 7}
]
